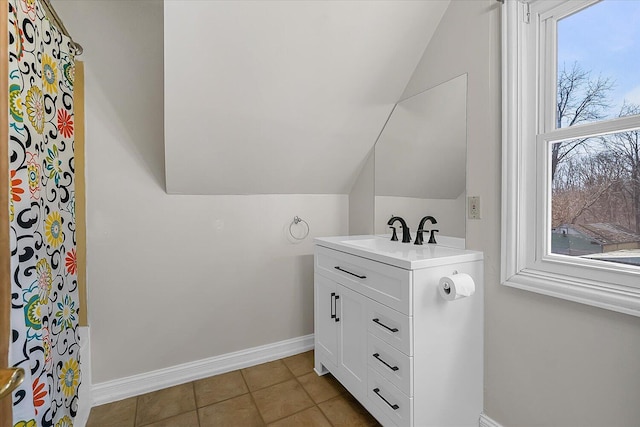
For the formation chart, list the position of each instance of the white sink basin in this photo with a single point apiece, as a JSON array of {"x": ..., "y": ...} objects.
[{"x": 403, "y": 255}]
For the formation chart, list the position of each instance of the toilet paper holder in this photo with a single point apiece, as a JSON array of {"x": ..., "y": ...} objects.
[
  {"x": 456, "y": 286},
  {"x": 446, "y": 288}
]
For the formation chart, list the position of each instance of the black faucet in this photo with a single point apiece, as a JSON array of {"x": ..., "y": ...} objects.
[
  {"x": 406, "y": 233},
  {"x": 421, "y": 230}
]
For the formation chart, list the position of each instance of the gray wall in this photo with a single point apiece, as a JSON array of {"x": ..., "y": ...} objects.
[
  {"x": 175, "y": 279},
  {"x": 548, "y": 362},
  {"x": 304, "y": 84},
  {"x": 361, "y": 198}
]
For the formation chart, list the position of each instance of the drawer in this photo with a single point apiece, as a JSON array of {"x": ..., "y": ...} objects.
[
  {"x": 390, "y": 326},
  {"x": 385, "y": 283},
  {"x": 391, "y": 401},
  {"x": 395, "y": 366}
]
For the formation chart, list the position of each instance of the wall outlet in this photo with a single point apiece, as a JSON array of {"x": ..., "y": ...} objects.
[{"x": 473, "y": 203}]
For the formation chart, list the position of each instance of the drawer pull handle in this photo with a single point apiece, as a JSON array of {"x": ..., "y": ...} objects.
[
  {"x": 385, "y": 326},
  {"x": 377, "y": 391},
  {"x": 348, "y": 272},
  {"x": 377, "y": 356}
]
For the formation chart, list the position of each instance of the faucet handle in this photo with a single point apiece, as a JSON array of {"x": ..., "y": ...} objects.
[
  {"x": 394, "y": 236},
  {"x": 432, "y": 238},
  {"x": 406, "y": 235},
  {"x": 419, "y": 238}
]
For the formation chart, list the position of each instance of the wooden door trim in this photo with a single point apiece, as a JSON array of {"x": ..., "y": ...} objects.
[
  {"x": 5, "y": 263},
  {"x": 81, "y": 221}
]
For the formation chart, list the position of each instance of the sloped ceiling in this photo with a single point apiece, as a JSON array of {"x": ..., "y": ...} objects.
[{"x": 269, "y": 97}]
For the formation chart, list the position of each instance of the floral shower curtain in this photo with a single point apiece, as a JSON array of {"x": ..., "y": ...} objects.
[{"x": 44, "y": 312}]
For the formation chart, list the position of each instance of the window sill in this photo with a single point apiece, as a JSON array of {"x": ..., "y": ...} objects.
[{"x": 603, "y": 295}]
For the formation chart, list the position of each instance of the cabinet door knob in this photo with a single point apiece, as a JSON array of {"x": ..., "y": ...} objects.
[
  {"x": 385, "y": 326},
  {"x": 377, "y": 391},
  {"x": 377, "y": 356}
]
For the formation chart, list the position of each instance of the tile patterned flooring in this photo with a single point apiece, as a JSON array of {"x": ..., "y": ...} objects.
[{"x": 285, "y": 392}]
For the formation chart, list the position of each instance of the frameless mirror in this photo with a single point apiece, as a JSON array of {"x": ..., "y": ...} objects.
[{"x": 420, "y": 160}]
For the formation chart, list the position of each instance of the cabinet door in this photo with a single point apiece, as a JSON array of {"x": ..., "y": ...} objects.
[
  {"x": 326, "y": 318},
  {"x": 353, "y": 339}
]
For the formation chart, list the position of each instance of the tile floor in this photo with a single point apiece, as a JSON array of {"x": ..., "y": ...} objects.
[{"x": 285, "y": 392}]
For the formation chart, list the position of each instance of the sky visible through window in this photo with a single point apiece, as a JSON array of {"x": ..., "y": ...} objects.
[{"x": 605, "y": 39}]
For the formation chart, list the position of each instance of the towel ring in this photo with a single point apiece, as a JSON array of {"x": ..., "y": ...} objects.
[{"x": 297, "y": 220}]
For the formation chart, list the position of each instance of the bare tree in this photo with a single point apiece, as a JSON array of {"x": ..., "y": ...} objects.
[
  {"x": 625, "y": 146},
  {"x": 598, "y": 180},
  {"x": 582, "y": 184},
  {"x": 580, "y": 99}
]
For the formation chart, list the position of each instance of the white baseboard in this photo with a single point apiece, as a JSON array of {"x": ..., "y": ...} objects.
[
  {"x": 485, "y": 421},
  {"x": 111, "y": 391},
  {"x": 84, "y": 390}
]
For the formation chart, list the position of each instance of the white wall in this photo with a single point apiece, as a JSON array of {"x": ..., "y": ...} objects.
[
  {"x": 173, "y": 279},
  {"x": 548, "y": 362}
]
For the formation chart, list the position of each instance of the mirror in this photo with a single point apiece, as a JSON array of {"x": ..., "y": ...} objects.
[{"x": 420, "y": 160}]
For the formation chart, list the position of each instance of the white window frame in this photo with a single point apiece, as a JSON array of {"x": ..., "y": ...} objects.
[{"x": 528, "y": 127}]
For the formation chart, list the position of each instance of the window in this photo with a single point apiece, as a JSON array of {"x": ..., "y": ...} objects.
[{"x": 571, "y": 150}]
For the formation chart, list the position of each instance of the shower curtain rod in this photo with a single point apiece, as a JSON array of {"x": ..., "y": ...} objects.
[{"x": 52, "y": 14}]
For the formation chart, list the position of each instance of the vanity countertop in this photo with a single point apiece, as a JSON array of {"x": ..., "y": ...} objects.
[{"x": 403, "y": 255}]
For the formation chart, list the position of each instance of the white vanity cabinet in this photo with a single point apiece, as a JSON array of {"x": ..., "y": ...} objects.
[{"x": 383, "y": 330}]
